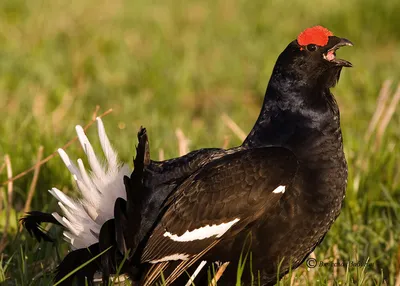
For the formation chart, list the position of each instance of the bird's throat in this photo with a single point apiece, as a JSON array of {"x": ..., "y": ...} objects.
[{"x": 308, "y": 129}]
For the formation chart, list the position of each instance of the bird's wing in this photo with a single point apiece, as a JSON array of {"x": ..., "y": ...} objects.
[
  {"x": 223, "y": 197},
  {"x": 148, "y": 187},
  {"x": 161, "y": 172}
]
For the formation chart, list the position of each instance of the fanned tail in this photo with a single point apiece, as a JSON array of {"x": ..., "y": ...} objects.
[
  {"x": 97, "y": 220},
  {"x": 100, "y": 189}
]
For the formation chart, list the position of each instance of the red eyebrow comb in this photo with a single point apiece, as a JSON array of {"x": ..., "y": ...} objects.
[{"x": 317, "y": 35}]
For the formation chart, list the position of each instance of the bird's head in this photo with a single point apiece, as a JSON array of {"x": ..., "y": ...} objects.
[{"x": 312, "y": 57}]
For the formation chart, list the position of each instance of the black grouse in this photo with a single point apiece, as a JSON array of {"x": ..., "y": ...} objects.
[{"x": 284, "y": 185}]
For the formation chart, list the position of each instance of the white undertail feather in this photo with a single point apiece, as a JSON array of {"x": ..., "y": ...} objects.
[{"x": 99, "y": 189}]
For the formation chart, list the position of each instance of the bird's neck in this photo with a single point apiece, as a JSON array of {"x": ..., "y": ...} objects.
[{"x": 303, "y": 119}]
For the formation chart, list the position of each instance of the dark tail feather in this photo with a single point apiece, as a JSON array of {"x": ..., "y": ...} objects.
[
  {"x": 121, "y": 224},
  {"x": 107, "y": 263},
  {"x": 110, "y": 259},
  {"x": 136, "y": 193},
  {"x": 142, "y": 150},
  {"x": 134, "y": 183},
  {"x": 31, "y": 222},
  {"x": 73, "y": 260},
  {"x": 113, "y": 259}
]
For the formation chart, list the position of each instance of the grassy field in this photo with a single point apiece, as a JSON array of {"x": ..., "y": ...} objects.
[{"x": 182, "y": 64}]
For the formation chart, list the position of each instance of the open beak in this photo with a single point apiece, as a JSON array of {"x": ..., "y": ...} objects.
[{"x": 330, "y": 55}]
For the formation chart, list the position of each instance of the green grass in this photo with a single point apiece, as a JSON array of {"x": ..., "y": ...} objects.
[{"x": 181, "y": 64}]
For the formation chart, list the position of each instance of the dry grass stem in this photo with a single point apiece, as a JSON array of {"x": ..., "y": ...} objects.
[
  {"x": 20, "y": 175},
  {"x": 1, "y": 189},
  {"x": 183, "y": 142},
  {"x": 61, "y": 111},
  {"x": 336, "y": 256},
  {"x": 161, "y": 155},
  {"x": 397, "y": 279},
  {"x": 398, "y": 266},
  {"x": 233, "y": 126},
  {"x": 387, "y": 116},
  {"x": 219, "y": 273},
  {"x": 292, "y": 279},
  {"x": 380, "y": 107},
  {"x": 96, "y": 111},
  {"x": 227, "y": 140},
  {"x": 2, "y": 167},
  {"x": 32, "y": 188},
  {"x": 3, "y": 241},
  {"x": 311, "y": 272}
]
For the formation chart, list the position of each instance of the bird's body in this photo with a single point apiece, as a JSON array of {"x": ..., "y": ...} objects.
[
  {"x": 297, "y": 116},
  {"x": 306, "y": 211},
  {"x": 284, "y": 185}
]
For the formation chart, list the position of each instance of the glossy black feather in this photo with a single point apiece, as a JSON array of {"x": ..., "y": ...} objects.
[
  {"x": 236, "y": 186},
  {"x": 121, "y": 223},
  {"x": 136, "y": 196},
  {"x": 151, "y": 183},
  {"x": 299, "y": 113},
  {"x": 32, "y": 223},
  {"x": 75, "y": 259},
  {"x": 109, "y": 260}
]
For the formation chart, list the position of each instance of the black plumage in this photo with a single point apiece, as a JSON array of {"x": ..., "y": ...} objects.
[
  {"x": 75, "y": 259},
  {"x": 299, "y": 115},
  {"x": 237, "y": 186},
  {"x": 296, "y": 143},
  {"x": 32, "y": 223}
]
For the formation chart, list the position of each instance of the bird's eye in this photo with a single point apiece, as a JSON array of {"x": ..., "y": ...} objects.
[{"x": 312, "y": 47}]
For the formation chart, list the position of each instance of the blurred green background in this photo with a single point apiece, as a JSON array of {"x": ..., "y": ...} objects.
[{"x": 181, "y": 64}]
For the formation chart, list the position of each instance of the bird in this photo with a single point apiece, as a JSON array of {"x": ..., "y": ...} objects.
[{"x": 283, "y": 187}]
